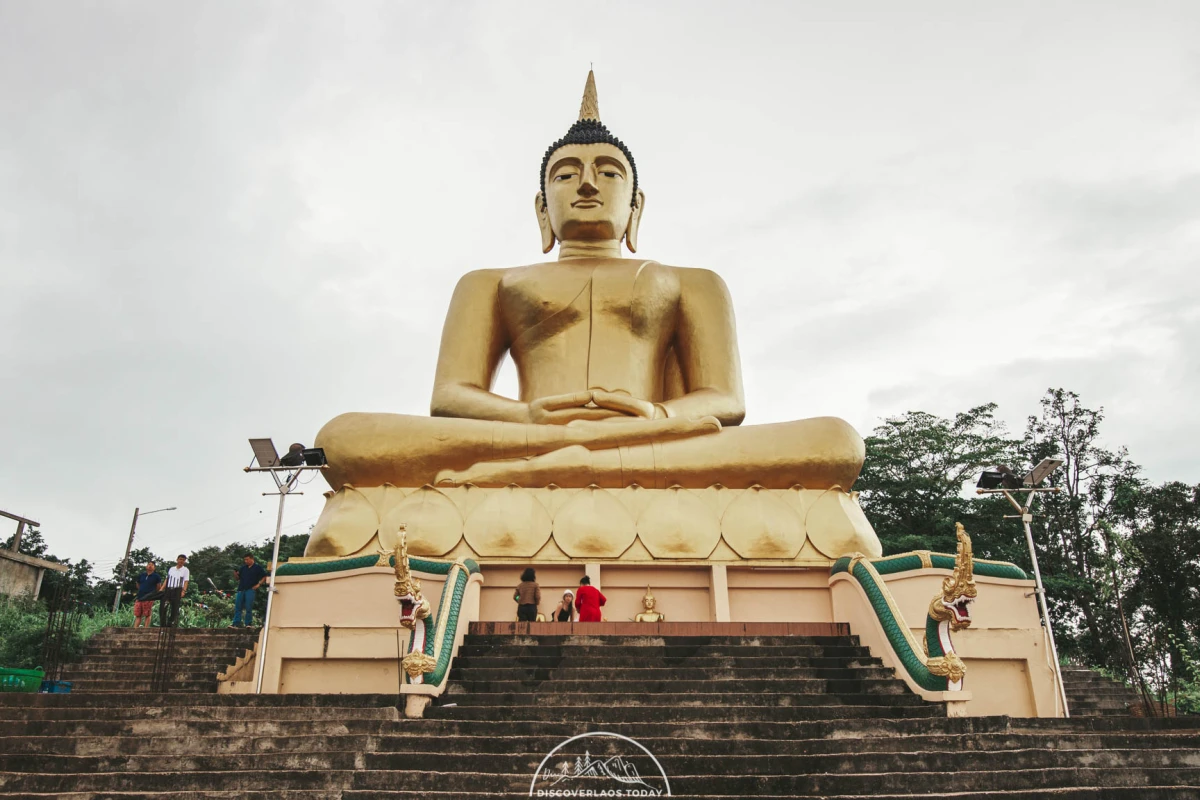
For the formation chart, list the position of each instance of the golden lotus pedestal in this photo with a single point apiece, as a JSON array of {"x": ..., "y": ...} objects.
[{"x": 797, "y": 526}]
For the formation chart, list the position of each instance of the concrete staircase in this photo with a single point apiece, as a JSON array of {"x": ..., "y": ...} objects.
[
  {"x": 727, "y": 717},
  {"x": 1090, "y": 694},
  {"x": 123, "y": 659}
]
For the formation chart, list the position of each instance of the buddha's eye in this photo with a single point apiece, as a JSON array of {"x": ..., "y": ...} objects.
[
  {"x": 566, "y": 176},
  {"x": 611, "y": 174}
]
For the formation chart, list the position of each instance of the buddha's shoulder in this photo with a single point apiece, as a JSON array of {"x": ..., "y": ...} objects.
[{"x": 513, "y": 276}]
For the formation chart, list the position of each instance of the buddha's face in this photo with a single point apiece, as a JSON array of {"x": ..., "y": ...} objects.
[
  {"x": 648, "y": 602},
  {"x": 589, "y": 192}
]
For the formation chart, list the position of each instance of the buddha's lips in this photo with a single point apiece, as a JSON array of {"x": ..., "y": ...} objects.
[{"x": 586, "y": 204}]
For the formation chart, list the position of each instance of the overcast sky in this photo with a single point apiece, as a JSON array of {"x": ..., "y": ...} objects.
[{"x": 221, "y": 220}]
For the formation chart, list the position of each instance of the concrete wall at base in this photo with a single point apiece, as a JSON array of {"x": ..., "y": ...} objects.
[
  {"x": 315, "y": 675},
  {"x": 684, "y": 592},
  {"x": 773, "y": 595},
  {"x": 1005, "y": 649},
  {"x": 360, "y": 651}
]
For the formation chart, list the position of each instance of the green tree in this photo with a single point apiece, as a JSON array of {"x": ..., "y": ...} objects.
[
  {"x": 1083, "y": 546},
  {"x": 33, "y": 543},
  {"x": 1165, "y": 592},
  {"x": 913, "y": 482}
]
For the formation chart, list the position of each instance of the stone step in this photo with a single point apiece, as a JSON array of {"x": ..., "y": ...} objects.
[
  {"x": 199, "y": 745},
  {"x": 194, "y": 729},
  {"x": 626, "y": 651},
  {"x": 181, "y": 635},
  {"x": 553, "y": 696},
  {"x": 467, "y": 672},
  {"x": 799, "y": 685},
  {"x": 731, "y": 764},
  {"x": 669, "y": 643},
  {"x": 867, "y": 782},
  {"x": 56, "y": 784},
  {"x": 387, "y": 742},
  {"x": 157, "y": 794},
  {"x": 647, "y": 662},
  {"x": 422, "y": 760},
  {"x": 124, "y": 687},
  {"x": 104, "y": 672},
  {"x": 135, "y": 654},
  {"x": 653, "y": 640},
  {"x": 697, "y": 785},
  {"x": 152, "y": 700},
  {"x": 727, "y": 717},
  {"x": 1101, "y": 690},
  {"x": 1142, "y": 793},
  {"x": 208, "y": 713},
  {"x": 160, "y": 763},
  {"x": 606, "y": 715}
]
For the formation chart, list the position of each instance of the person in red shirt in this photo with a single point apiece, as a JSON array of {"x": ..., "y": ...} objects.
[{"x": 588, "y": 600}]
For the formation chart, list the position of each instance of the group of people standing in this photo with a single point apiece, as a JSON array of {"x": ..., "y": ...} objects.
[
  {"x": 169, "y": 597},
  {"x": 151, "y": 588},
  {"x": 582, "y": 607}
]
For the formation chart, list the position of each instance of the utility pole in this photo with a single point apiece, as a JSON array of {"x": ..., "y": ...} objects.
[
  {"x": 1026, "y": 516},
  {"x": 123, "y": 567},
  {"x": 122, "y": 570}
]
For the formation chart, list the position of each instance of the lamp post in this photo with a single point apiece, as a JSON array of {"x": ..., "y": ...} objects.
[
  {"x": 269, "y": 461},
  {"x": 123, "y": 567},
  {"x": 1006, "y": 482}
]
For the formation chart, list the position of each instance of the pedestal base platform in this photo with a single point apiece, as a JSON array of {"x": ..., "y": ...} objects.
[{"x": 797, "y": 526}]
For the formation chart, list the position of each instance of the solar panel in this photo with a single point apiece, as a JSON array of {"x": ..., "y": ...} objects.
[
  {"x": 264, "y": 452},
  {"x": 1039, "y": 473}
]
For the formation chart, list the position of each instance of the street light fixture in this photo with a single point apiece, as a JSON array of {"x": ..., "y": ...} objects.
[
  {"x": 123, "y": 567},
  {"x": 1003, "y": 480},
  {"x": 269, "y": 461}
]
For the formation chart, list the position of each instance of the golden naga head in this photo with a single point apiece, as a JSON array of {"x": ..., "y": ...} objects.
[
  {"x": 408, "y": 589},
  {"x": 589, "y": 183},
  {"x": 958, "y": 590}
]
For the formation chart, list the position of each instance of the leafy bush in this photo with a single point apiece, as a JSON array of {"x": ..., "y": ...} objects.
[{"x": 23, "y": 626}]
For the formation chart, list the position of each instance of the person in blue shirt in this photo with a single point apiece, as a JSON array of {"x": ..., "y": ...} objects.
[
  {"x": 147, "y": 592},
  {"x": 249, "y": 576}
]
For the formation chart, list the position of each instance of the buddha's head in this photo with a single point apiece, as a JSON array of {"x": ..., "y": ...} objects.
[
  {"x": 589, "y": 185},
  {"x": 648, "y": 600}
]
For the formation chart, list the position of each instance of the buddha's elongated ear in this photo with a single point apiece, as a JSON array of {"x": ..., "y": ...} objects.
[
  {"x": 635, "y": 221},
  {"x": 543, "y": 217}
]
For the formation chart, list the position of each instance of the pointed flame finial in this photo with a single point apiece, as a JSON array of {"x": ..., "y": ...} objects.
[{"x": 590, "y": 107}]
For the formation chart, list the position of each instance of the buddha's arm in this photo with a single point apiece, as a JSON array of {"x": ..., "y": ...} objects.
[
  {"x": 706, "y": 341},
  {"x": 473, "y": 344}
]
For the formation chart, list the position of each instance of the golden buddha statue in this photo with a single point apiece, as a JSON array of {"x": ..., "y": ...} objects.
[
  {"x": 628, "y": 368},
  {"x": 649, "y": 614}
]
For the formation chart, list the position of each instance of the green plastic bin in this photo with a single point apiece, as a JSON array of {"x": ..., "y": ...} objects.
[{"x": 21, "y": 680}]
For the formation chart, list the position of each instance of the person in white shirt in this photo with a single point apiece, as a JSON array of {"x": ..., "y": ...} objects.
[{"x": 177, "y": 583}]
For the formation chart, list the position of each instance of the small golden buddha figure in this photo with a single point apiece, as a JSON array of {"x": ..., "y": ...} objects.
[
  {"x": 628, "y": 368},
  {"x": 649, "y": 614}
]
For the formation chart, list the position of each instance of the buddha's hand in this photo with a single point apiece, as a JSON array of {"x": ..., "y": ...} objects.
[
  {"x": 563, "y": 408},
  {"x": 627, "y": 405}
]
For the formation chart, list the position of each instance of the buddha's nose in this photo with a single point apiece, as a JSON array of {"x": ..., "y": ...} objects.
[{"x": 587, "y": 186}]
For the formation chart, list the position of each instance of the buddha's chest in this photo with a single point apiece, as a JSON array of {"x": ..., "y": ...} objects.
[{"x": 616, "y": 303}]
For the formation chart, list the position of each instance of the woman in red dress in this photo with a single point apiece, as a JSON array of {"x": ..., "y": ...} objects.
[{"x": 588, "y": 600}]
